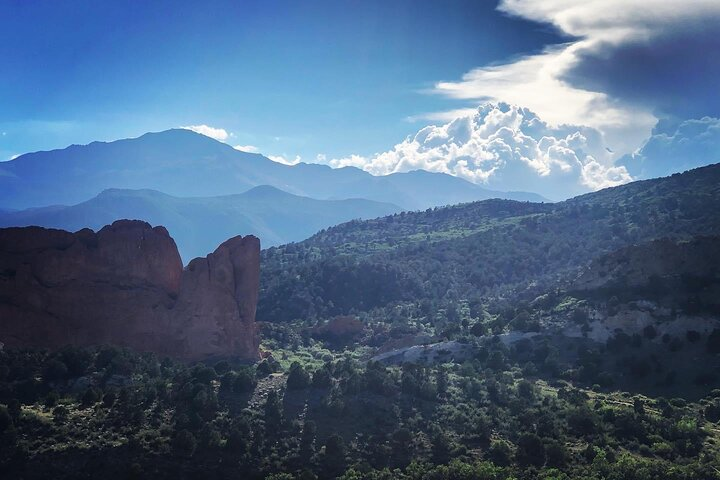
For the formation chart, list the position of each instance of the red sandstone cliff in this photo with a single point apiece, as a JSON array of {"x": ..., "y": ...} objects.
[{"x": 125, "y": 285}]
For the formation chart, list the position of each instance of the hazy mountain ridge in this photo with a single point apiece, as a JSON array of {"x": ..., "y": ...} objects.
[
  {"x": 183, "y": 163},
  {"x": 198, "y": 224}
]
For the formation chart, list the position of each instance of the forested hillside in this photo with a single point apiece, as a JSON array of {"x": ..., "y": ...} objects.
[
  {"x": 429, "y": 261},
  {"x": 80, "y": 414}
]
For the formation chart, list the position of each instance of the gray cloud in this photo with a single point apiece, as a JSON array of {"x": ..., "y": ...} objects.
[
  {"x": 629, "y": 64},
  {"x": 674, "y": 73}
]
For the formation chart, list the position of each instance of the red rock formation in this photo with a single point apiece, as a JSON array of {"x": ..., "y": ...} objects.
[
  {"x": 218, "y": 298},
  {"x": 125, "y": 285}
]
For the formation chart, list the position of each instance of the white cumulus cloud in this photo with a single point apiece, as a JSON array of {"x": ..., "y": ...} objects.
[
  {"x": 504, "y": 147},
  {"x": 217, "y": 133}
]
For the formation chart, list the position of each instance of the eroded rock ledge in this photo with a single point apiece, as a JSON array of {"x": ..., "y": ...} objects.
[{"x": 125, "y": 285}]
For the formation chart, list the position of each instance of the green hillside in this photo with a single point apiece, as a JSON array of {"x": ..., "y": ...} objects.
[{"x": 428, "y": 260}]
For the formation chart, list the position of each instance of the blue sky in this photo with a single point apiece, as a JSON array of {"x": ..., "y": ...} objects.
[
  {"x": 292, "y": 77},
  {"x": 584, "y": 95}
]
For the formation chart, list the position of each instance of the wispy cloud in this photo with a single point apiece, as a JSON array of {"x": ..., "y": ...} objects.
[
  {"x": 444, "y": 116},
  {"x": 284, "y": 160},
  {"x": 11, "y": 157},
  {"x": 247, "y": 148},
  {"x": 217, "y": 133}
]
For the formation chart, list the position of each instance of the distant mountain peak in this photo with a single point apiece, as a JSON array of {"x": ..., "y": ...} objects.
[
  {"x": 175, "y": 133},
  {"x": 182, "y": 163},
  {"x": 266, "y": 191},
  {"x": 128, "y": 192},
  {"x": 180, "y": 136}
]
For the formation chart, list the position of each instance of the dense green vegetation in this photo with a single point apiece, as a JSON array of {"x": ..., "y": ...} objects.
[
  {"x": 427, "y": 263},
  {"x": 75, "y": 413}
]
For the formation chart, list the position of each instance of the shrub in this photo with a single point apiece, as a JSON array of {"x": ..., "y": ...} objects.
[
  {"x": 298, "y": 378},
  {"x": 649, "y": 332},
  {"x": 264, "y": 369},
  {"x": 321, "y": 378},
  {"x": 557, "y": 454},
  {"x": 222, "y": 367},
  {"x": 500, "y": 453},
  {"x": 108, "y": 399},
  {"x": 334, "y": 458},
  {"x": 712, "y": 412},
  {"x": 6, "y": 421},
  {"x": 526, "y": 389},
  {"x": 51, "y": 399},
  {"x": 713, "y": 341},
  {"x": 582, "y": 421},
  {"x": 184, "y": 443},
  {"x": 530, "y": 450},
  {"x": 692, "y": 336},
  {"x": 89, "y": 398},
  {"x": 55, "y": 370},
  {"x": 244, "y": 381},
  {"x": 203, "y": 374}
]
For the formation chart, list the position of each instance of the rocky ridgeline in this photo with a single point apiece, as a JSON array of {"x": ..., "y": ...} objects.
[{"x": 125, "y": 285}]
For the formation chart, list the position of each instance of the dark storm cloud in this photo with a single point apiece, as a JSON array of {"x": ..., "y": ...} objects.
[{"x": 674, "y": 73}]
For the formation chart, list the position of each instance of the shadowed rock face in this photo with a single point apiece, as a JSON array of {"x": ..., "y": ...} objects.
[
  {"x": 637, "y": 265},
  {"x": 125, "y": 285}
]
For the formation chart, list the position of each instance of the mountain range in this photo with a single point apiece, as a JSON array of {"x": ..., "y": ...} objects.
[
  {"x": 183, "y": 163},
  {"x": 199, "y": 224},
  {"x": 205, "y": 191}
]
